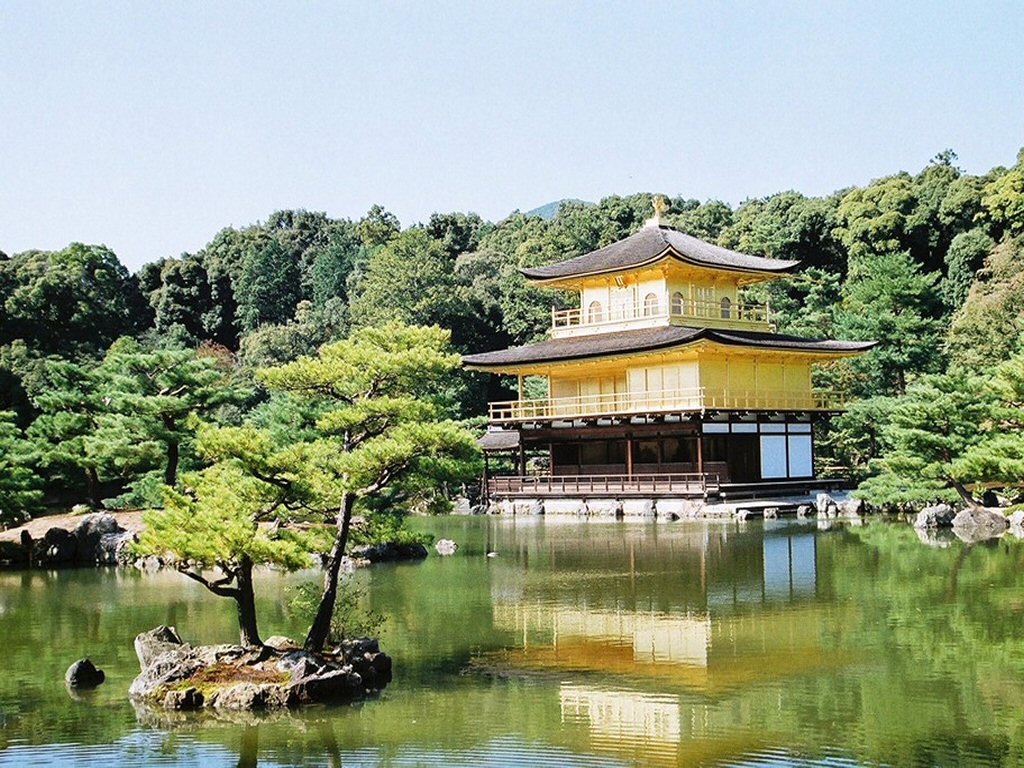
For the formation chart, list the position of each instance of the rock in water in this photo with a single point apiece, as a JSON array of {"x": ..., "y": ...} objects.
[
  {"x": 149, "y": 645},
  {"x": 446, "y": 547},
  {"x": 976, "y": 524},
  {"x": 179, "y": 676},
  {"x": 936, "y": 516},
  {"x": 389, "y": 551},
  {"x": 83, "y": 674}
]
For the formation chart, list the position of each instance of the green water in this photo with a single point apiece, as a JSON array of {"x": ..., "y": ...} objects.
[{"x": 580, "y": 643}]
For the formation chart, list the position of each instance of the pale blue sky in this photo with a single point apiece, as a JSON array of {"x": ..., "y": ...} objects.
[{"x": 149, "y": 126}]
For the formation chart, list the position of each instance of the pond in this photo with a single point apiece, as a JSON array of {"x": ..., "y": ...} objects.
[{"x": 581, "y": 643}]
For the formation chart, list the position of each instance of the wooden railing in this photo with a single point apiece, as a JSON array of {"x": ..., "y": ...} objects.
[
  {"x": 734, "y": 315},
  {"x": 669, "y": 400},
  {"x": 691, "y": 484}
]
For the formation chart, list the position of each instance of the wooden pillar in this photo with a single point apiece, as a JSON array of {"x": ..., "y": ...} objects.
[
  {"x": 520, "y": 380},
  {"x": 485, "y": 491},
  {"x": 629, "y": 456},
  {"x": 522, "y": 458},
  {"x": 700, "y": 451}
]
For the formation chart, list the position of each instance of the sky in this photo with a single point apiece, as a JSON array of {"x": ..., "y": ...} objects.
[{"x": 150, "y": 126}]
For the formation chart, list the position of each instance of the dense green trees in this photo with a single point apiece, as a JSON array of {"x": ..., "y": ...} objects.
[
  {"x": 67, "y": 302},
  {"x": 20, "y": 489},
  {"x": 927, "y": 263}
]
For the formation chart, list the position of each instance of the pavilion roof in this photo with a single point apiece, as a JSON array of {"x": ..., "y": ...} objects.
[
  {"x": 651, "y": 339},
  {"x": 499, "y": 440},
  {"x": 650, "y": 244}
]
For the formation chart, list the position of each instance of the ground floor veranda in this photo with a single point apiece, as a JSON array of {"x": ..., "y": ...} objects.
[{"x": 701, "y": 456}]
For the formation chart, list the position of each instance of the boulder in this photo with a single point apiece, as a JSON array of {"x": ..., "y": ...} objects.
[
  {"x": 83, "y": 674},
  {"x": 185, "y": 699},
  {"x": 280, "y": 643},
  {"x": 976, "y": 524},
  {"x": 852, "y": 508},
  {"x": 803, "y": 511},
  {"x": 302, "y": 660},
  {"x": 389, "y": 551},
  {"x": 90, "y": 530},
  {"x": 446, "y": 547},
  {"x": 822, "y": 502},
  {"x": 14, "y": 552},
  {"x": 935, "y": 516},
  {"x": 771, "y": 513},
  {"x": 336, "y": 685},
  {"x": 357, "y": 646},
  {"x": 248, "y": 696},
  {"x": 743, "y": 514},
  {"x": 149, "y": 645},
  {"x": 57, "y": 547}
]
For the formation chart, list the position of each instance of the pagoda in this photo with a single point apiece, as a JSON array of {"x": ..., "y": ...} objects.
[{"x": 663, "y": 382}]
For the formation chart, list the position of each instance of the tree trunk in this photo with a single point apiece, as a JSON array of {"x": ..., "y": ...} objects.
[
  {"x": 171, "y": 473},
  {"x": 173, "y": 451},
  {"x": 245, "y": 600},
  {"x": 321, "y": 626},
  {"x": 966, "y": 495},
  {"x": 92, "y": 487}
]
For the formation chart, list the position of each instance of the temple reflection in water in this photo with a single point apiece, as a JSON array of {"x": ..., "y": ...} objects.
[{"x": 659, "y": 654}]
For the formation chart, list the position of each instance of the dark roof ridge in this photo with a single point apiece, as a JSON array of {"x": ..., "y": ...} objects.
[
  {"x": 649, "y": 244},
  {"x": 653, "y": 339}
]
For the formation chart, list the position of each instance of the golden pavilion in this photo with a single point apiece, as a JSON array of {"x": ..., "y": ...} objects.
[{"x": 663, "y": 381}]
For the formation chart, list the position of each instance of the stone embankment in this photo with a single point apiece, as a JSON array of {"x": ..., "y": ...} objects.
[
  {"x": 105, "y": 538},
  {"x": 177, "y": 676},
  {"x": 823, "y": 505},
  {"x": 93, "y": 539}
]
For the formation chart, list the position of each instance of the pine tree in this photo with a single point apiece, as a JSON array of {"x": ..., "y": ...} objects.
[
  {"x": 380, "y": 432},
  {"x": 20, "y": 492},
  {"x": 887, "y": 299}
]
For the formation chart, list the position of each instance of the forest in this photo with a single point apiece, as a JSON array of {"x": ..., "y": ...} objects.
[{"x": 108, "y": 379}]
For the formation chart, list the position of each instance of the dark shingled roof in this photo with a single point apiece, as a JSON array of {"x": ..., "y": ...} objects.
[
  {"x": 499, "y": 440},
  {"x": 650, "y": 339},
  {"x": 648, "y": 245}
]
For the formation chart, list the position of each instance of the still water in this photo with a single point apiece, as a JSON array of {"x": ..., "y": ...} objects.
[{"x": 579, "y": 644}]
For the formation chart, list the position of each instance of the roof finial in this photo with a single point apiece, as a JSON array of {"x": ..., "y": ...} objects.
[{"x": 660, "y": 205}]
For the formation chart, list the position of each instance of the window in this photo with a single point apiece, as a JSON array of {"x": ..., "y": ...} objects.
[
  {"x": 679, "y": 450},
  {"x": 678, "y": 303},
  {"x": 650, "y": 305},
  {"x": 565, "y": 454},
  {"x": 726, "y": 308},
  {"x": 645, "y": 452},
  {"x": 594, "y": 452},
  {"x": 595, "y": 313},
  {"x": 602, "y": 452}
]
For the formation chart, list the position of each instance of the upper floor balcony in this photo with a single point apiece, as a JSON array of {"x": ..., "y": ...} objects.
[
  {"x": 723, "y": 313},
  {"x": 696, "y": 399}
]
